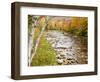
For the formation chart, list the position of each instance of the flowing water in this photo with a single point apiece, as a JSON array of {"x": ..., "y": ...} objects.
[{"x": 69, "y": 49}]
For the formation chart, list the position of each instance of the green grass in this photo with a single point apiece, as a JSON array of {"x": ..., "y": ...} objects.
[
  {"x": 36, "y": 34},
  {"x": 45, "y": 54}
]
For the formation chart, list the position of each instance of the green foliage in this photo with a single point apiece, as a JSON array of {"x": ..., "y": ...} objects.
[
  {"x": 77, "y": 31},
  {"x": 45, "y": 54},
  {"x": 29, "y": 19},
  {"x": 36, "y": 34},
  {"x": 29, "y": 23},
  {"x": 82, "y": 32},
  {"x": 72, "y": 30}
]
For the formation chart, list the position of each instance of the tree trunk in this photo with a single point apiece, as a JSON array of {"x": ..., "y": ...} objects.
[
  {"x": 38, "y": 39},
  {"x": 30, "y": 43}
]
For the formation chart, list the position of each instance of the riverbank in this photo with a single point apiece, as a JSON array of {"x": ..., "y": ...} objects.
[{"x": 59, "y": 48}]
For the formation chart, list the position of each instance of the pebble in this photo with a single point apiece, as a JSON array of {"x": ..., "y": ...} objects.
[{"x": 59, "y": 61}]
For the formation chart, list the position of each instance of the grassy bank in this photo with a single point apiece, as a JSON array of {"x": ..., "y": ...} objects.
[{"x": 45, "y": 54}]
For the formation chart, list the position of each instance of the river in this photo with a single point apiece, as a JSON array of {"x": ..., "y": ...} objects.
[{"x": 69, "y": 49}]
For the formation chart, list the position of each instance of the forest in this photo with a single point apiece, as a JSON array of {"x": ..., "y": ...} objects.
[{"x": 57, "y": 40}]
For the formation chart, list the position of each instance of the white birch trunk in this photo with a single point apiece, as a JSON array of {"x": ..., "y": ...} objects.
[
  {"x": 31, "y": 44},
  {"x": 37, "y": 42},
  {"x": 38, "y": 39}
]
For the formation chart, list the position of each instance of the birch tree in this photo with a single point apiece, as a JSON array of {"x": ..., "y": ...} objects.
[
  {"x": 47, "y": 18},
  {"x": 31, "y": 36}
]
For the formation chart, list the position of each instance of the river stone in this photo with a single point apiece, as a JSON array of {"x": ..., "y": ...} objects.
[
  {"x": 59, "y": 61},
  {"x": 65, "y": 62},
  {"x": 58, "y": 57}
]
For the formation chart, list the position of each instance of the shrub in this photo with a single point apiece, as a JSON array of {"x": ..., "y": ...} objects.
[{"x": 72, "y": 30}]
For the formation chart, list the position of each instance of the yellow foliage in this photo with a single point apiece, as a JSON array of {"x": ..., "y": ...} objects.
[
  {"x": 63, "y": 24},
  {"x": 42, "y": 21}
]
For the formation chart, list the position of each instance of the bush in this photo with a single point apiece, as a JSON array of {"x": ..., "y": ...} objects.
[
  {"x": 82, "y": 32},
  {"x": 72, "y": 30}
]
